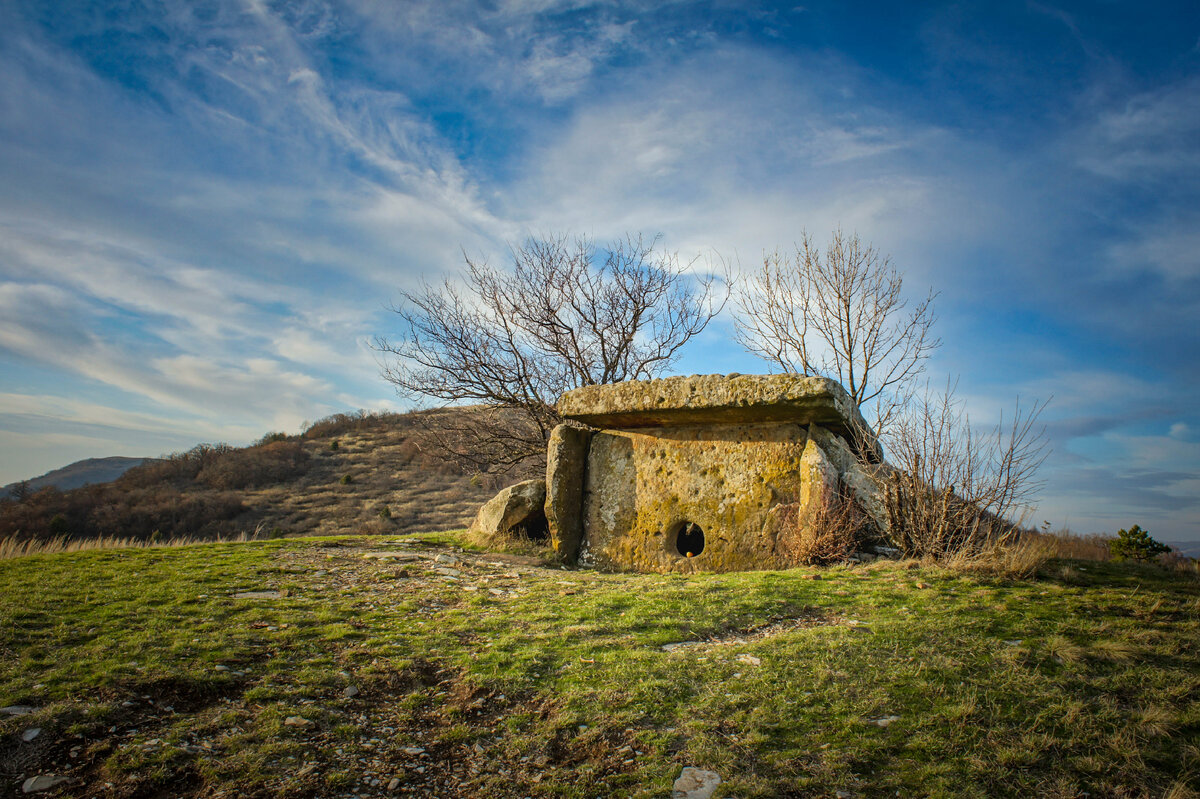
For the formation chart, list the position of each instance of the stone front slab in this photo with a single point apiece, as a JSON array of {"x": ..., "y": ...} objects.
[
  {"x": 720, "y": 400},
  {"x": 643, "y": 490}
]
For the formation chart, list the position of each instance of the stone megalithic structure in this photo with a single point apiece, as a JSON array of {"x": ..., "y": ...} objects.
[{"x": 703, "y": 473}]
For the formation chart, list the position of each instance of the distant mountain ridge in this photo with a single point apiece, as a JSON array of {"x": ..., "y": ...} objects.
[
  {"x": 81, "y": 473},
  {"x": 1189, "y": 548}
]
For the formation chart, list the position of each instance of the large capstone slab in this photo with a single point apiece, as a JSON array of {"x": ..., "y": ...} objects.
[{"x": 722, "y": 400}]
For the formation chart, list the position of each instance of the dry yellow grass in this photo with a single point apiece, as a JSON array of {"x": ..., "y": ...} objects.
[{"x": 12, "y": 547}]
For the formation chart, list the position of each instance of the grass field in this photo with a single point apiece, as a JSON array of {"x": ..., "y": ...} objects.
[{"x": 389, "y": 666}]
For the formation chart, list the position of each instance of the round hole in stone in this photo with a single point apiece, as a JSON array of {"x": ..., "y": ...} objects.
[{"x": 689, "y": 539}]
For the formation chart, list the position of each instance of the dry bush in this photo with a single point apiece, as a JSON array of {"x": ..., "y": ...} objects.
[
  {"x": 255, "y": 466},
  {"x": 339, "y": 424},
  {"x": 953, "y": 490},
  {"x": 178, "y": 468},
  {"x": 145, "y": 513},
  {"x": 112, "y": 511},
  {"x": 828, "y": 534},
  {"x": 1176, "y": 561}
]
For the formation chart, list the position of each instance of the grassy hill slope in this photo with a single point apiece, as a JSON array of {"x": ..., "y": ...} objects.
[
  {"x": 389, "y": 666},
  {"x": 347, "y": 474}
]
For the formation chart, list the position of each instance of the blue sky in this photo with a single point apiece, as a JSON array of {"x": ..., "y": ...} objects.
[{"x": 205, "y": 207}]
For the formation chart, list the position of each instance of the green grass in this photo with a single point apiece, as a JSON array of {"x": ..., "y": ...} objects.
[{"x": 518, "y": 680}]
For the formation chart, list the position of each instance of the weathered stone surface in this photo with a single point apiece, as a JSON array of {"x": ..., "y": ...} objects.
[
  {"x": 643, "y": 487},
  {"x": 566, "y": 459},
  {"x": 717, "y": 399},
  {"x": 694, "y": 783},
  {"x": 520, "y": 505},
  {"x": 818, "y": 477},
  {"x": 859, "y": 478}
]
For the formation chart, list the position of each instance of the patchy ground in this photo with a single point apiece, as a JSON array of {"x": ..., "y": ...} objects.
[{"x": 408, "y": 666}]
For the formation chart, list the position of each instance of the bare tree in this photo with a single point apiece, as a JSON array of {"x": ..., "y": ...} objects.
[
  {"x": 954, "y": 490},
  {"x": 841, "y": 316},
  {"x": 566, "y": 314}
]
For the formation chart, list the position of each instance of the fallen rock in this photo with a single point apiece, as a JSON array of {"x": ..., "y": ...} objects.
[
  {"x": 42, "y": 782},
  {"x": 30, "y": 734},
  {"x": 749, "y": 660},
  {"x": 516, "y": 509},
  {"x": 350, "y": 692},
  {"x": 694, "y": 783},
  {"x": 884, "y": 720},
  {"x": 297, "y": 721},
  {"x": 17, "y": 710},
  {"x": 258, "y": 595}
]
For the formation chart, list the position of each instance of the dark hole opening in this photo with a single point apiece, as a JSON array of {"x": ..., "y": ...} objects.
[
  {"x": 535, "y": 528},
  {"x": 690, "y": 540}
]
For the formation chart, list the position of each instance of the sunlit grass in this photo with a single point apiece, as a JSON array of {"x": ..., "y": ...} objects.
[{"x": 525, "y": 681}]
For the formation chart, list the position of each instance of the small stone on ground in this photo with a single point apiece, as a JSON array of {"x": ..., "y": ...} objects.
[
  {"x": 42, "y": 782},
  {"x": 694, "y": 783}
]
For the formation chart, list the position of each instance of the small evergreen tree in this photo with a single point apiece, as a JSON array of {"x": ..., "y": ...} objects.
[{"x": 1136, "y": 544}]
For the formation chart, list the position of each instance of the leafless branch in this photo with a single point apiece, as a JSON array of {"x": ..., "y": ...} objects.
[
  {"x": 952, "y": 489},
  {"x": 565, "y": 314}
]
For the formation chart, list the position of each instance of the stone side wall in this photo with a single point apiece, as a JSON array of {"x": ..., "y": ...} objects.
[{"x": 641, "y": 487}]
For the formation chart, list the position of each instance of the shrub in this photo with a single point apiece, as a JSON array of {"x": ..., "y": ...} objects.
[
  {"x": 255, "y": 466},
  {"x": 271, "y": 438},
  {"x": 1136, "y": 544},
  {"x": 955, "y": 488},
  {"x": 830, "y": 534},
  {"x": 341, "y": 423},
  {"x": 346, "y": 479}
]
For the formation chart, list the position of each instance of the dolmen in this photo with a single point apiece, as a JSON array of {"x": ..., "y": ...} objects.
[{"x": 700, "y": 473}]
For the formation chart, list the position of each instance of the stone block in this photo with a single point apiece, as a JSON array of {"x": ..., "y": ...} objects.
[
  {"x": 721, "y": 400},
  {"x": 517, "y": 507},
  {"x": 566, "y": 460}
]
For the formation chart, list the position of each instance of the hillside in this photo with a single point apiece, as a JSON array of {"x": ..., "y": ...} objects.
[
  {"x": 387, "y": 666},
  {"x": 351, "y": 473},
  {"x": 81, "y": 473}
]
